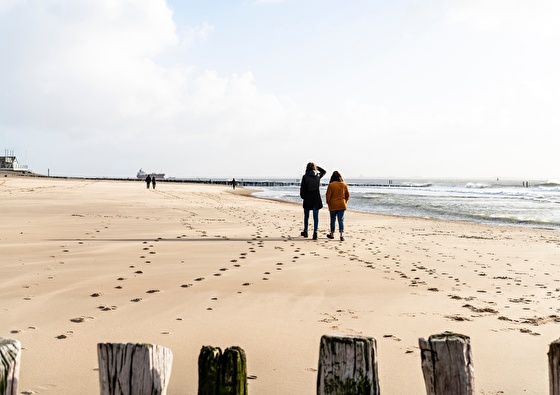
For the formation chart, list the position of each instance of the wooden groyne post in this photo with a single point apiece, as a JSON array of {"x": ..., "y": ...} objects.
[
  {"x": 10, "y": 357},
  {"x": 222, "y": 373},
  {"x": 447, "y": 364},
  {"x": 347, "y": 366},
  {"x": 135, "y": 369},
  {"x": 554, "y": 367}
]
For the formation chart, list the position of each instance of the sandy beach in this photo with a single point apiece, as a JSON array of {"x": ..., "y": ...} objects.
[{"x": 185, "y": 265}]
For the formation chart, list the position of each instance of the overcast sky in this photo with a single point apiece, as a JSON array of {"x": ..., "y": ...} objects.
[{"x": 258, "y": 88}]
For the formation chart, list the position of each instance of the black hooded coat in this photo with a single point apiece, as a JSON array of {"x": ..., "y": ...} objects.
[{"x": 309, "y": 189}]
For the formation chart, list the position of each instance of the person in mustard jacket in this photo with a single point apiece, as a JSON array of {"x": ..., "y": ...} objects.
[{"x": 337, "y": 197}]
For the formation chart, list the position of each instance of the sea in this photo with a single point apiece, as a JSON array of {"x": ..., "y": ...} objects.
[{"x": 532, "y": 203}]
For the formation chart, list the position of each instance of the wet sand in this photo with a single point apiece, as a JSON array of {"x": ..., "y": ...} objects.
[{"x": 185, "y": 265}]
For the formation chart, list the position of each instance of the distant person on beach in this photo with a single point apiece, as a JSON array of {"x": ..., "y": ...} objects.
[
  {"x": 233, "y": 183},
  {"x": 148, "y": 181},
  {"x": 309, "y": 192},
  {"x": 337, "y": 197},
  {"x": 153, "y": 181}
]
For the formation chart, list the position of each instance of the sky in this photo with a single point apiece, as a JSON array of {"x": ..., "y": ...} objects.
[{"x": 258, "y": 88}]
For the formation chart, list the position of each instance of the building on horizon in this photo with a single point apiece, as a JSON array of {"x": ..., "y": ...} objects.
[{"x": 9, "y": 162}]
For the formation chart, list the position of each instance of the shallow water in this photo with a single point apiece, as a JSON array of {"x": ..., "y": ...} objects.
[{"x": 512, "y": 202}]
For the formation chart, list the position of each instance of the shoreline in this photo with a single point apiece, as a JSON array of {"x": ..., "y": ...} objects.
[
  {"x": 185, "y": 266},
  {"x": 412, "y": 217},
  {"x": 251, "y": 190}
]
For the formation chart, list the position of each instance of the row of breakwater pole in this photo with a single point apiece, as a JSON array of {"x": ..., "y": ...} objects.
[
  {"x": 250, "y": 183},
  {"x": 348, "y": 364}
]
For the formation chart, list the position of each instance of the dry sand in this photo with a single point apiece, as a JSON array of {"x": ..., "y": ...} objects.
[{"x": 183, "y": 266}]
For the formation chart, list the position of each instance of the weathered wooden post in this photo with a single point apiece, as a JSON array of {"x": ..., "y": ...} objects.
[
  {"x": 554, "y": 367},
  {"x": 222, "y": 374},
  {"x": 10, "y": 357},
  {"x": 135, "y": 369},
  {"x": 347, "y": 366},
  {"x": 447, "y": 364}
]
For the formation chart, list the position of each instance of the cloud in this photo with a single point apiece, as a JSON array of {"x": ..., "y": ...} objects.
[
  {"x": 88, "y": 64},
  {"x": 121, "y": 78},
  {"x": 91, "y": 76},
  {"x": 201, "y": 32},
  {"x": 537, "y": 18}
]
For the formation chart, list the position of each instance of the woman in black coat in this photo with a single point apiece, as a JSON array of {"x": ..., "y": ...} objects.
[{"x": 309, "y": 192}]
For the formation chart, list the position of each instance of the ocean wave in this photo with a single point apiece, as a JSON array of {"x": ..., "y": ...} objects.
[
  {"x": 552, "y": 185},
  {"x": 553, "y": 182},
  {"x": 477, "y": 185},
  {"x": 416, "y": 184},
  {"x": 474, "y": 201}
]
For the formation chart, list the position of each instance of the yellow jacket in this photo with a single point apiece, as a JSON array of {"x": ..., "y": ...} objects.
[{"x": 337, "y": 195}]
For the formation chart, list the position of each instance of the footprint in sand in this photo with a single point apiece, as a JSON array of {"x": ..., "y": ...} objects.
[
  {"x": 136, "y": 300},
  {"x": 79, "y": 320},
  {"x": 65, "y": 335},
  {"x": 107, "y": 308},
  {"x": 153, "y": 291},
  {"x": 186, "y": 285},
  {"x": 199, "y": 279}
]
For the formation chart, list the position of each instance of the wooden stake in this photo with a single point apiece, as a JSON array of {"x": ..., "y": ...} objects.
[
  {"x": 222, "y": 374},
  {"x": 554, "y": 367},
  {"x": 10, "y": 357},
  {"x": 447, "y": 364},
  {"x": 134, "y": 369},
  {"x": 347, "y": 366}
]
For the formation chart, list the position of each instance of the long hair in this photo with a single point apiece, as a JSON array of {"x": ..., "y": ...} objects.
[
  {"x": 311, "y": 167},
  {"x": 336, "y": 176}
]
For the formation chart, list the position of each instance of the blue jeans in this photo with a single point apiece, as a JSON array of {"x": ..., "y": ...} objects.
[
  {"x": 315, "y": 219},
  {"x": 339, "y": 214}
]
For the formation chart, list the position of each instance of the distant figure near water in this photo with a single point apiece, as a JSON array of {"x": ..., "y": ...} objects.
[
  {"x": 148, "y": 181},
  {"x": 233, "y": 183},
  {"x": 153, "y": 181},
  {"x": 309, "y": 192}
]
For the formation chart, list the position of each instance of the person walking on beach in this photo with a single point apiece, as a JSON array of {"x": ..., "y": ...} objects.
[
  {"x": 309, "y": 192},
  {"x": 148, "y": 181},
  {"x": 153, "y": 181},
  {"x": 233, "y": 183},
  {"x": 337, "y": 197}
]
